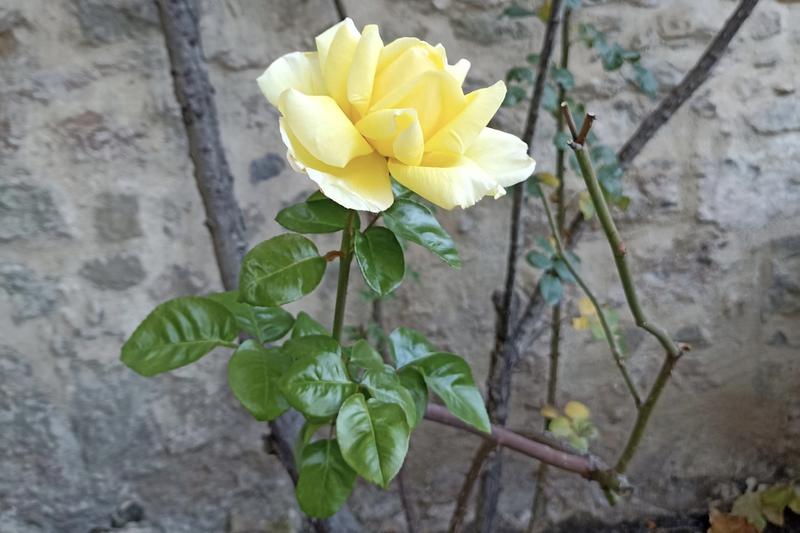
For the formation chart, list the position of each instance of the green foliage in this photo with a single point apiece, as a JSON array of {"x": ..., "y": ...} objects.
[
  {"x": 449, "y": 376},
  {"x": 177, "y": 333},
  {"x": 266, "y": 324},
  {"x": 414, "y": 222},
  {"x": 253, "y": 375},
  {"x": 325, "y": 481},
  {"x": 515, "y": 10},
  {"x": 555, "y": 271},
  {"x": 574, "y": 425},
  {"x": 372, "y": 405},
  {"x": 305, "y": 325},
  {"x": 514, "y": 95},
  {"x": 381, "y": 259},
  {"x": 384, "y": 385},
  {"x": 614, "y": 56},
  {"x": 315, "y": 215},
  {"x": 551, "y": 288},
  {"x": 280, "y": 270},
  {"x": 767, "y": 505},
  {"x": 520, "y": 74},
  {"x": 317, "y": 384},
  {"x": 408, "y": 345},
  {"x": 562, "y": 77},
  {"x": 373, "y": 437}
]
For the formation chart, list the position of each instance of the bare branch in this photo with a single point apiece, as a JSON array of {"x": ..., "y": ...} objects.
[
  {"x": 526, "y": 329},
  {"x": 503, "y": 356},
  {"x": 195, "y": 95}
]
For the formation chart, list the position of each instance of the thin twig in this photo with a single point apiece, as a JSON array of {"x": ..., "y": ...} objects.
[
  {"x": 673, "y": 349},
  {"x": 504, "y": 356},
  {"x": 613, "y": 344},
  {"x": 195, "y": 96},
  {"x": 462, "y": 501},
  {"x": 526, "y": 331}
]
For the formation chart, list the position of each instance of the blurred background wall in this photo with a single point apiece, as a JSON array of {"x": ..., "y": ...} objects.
[{"x": 100, "y": 219}]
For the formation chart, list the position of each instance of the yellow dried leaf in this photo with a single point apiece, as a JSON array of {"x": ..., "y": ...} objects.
[
  {"x": 577, "y": 411},
  {"x": 549, "y": 412},
  {"x": 546, "y": 178},
  {"x": 580, "y": 322},
  {"x": 586, "y": 307}
]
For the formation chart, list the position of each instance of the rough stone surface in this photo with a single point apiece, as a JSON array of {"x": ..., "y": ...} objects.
[
  {"x": 100, "y": 220},
  {"x": 26, "y": 212},
  {"x": 116, "y": 273},
  {"x": 116, "y": 217}
]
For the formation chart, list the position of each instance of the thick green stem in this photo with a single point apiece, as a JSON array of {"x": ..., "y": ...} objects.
[
  {"x": 643, "y": 415},
  {"x": 613, "y": 344},
  {"x": 619, "y": 251},
  {"x": 674, "y": 351},
  {"x": 345, "y": 259}
]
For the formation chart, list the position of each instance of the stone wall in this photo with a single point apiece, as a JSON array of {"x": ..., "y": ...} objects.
[{"x": 100, "y": 219}]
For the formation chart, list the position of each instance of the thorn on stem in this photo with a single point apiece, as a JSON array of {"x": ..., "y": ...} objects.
[{"x": 622, "y": 249}]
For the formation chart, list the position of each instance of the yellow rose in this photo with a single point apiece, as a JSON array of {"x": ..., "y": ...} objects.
[{"x": 356, "y": 111}]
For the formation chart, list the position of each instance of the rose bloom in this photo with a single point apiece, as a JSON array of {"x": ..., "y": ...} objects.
[{"x": 355, "y": 112}]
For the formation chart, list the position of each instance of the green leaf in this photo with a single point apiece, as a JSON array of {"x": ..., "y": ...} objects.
[
  {"x": 414, "y": 222},
  {"x": 362, "y": 355},
  {"x": 560, "y": 427},
  {"x": 253, "y": 374},
  {"x": 748, "y": 505},
  {"x": 325, "y": 481},
  {"x": 415, "y": 385},
  {"x": 610, "y": 180},
  {"x": 523, "y": 74},
  {"x": 563, "y": 272},
  {"x": 380, "y": 258},
  {"x": 612, "y": 56},
  {"x": 515, "y": 10},
  {"x": 280, "y": 270},
  {"x": 533, "y": 59},
  {"x": 177, "y": 333},
  {"x": 550, "y": 99},
  {"x": 551, "y": 289},
  {"x": 304, "y": 436},
  {"x": 317, "y": 384},
  {"x": 514, "y": 95},
  {"x": 545, "y": 245},
  {"x": 373, "y": 436},
  {"x": 407, "y": 345},
  {"x": 316, "y": 216},
  {"x": 305, "y": 325},
  {"x": 400, "y": 191},
  {"x": 449, "y": 376},
  {"x": 645, "y": 80},
  {"x": 563, "y": 77},
  {"x": 590, "y": 35},
  {"x": 301, "y": 347},
  {"x": 539, "y": 260},
  {"x": 572, "y": 4},
  {"x": 574, "y": 259},
  {"x": 264, "y": 323},
  {"x": 385, "y": 385},
  {"x": 316, "y": 196},
  {"x": 774, "y": 501}
]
